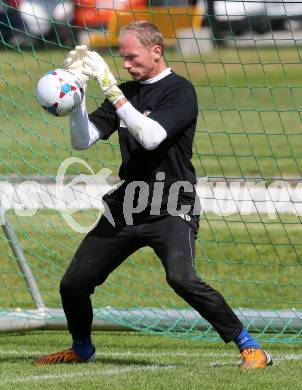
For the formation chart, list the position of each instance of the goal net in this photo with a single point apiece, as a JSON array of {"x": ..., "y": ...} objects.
[{"x": 247, "y": 155}]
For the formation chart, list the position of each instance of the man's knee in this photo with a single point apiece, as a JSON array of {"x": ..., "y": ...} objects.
[
  {"x": 74, "y": 287},
  {"x": 66, "y": 287},
  {"x": 182, "y": 281}
]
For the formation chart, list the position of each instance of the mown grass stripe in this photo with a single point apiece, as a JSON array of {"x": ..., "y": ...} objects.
[{"x": 90, "y": 373}]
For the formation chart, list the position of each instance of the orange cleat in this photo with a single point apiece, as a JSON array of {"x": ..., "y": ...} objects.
[
  {"x": 255, "y": 358},
  {"x": 69, "y": 356}
]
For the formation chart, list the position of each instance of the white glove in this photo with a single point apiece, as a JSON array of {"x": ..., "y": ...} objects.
[
  {"x": 74, "y": 62},
  {"x": 96, "y": 67}
]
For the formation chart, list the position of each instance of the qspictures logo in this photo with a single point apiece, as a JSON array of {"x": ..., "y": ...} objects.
[{"x": 68, "y": 194}]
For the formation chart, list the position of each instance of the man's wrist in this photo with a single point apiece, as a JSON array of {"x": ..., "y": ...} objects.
[
  {"x": 114, "y": 94},
  {"x": 120, "y": 102}
]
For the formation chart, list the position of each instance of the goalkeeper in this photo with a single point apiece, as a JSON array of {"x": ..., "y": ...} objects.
[{"x": 155, "y": 116}]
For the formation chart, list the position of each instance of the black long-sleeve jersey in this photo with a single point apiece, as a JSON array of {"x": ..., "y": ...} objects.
[{"x": 171, "y": 102}]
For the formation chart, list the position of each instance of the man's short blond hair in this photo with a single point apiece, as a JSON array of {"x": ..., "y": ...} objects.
[{"x": 146, "y": 32}]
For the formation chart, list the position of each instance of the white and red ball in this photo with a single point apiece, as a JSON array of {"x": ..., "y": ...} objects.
[{"x": 60, "y": 92}]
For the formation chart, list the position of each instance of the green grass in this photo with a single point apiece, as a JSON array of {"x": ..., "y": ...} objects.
[
  {"x": 249, "y": 125},
  {"x": 249, "y": 122},
  {"x": 254, "y": 261},
  {"x": 137, "y": 361}
]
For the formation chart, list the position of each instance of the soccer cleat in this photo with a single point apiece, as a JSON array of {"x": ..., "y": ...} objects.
[
  {"x": 255, "y": 358},
  {"x": 69, "y": 356}
]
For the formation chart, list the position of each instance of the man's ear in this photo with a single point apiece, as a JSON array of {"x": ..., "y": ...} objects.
[{"x": 157, "y": 52}]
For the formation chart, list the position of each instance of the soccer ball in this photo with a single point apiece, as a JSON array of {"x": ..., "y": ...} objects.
[{"x": 59, "y": 92}]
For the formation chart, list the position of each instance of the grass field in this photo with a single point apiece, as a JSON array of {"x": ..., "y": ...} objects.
[
  {"x": 249, "y": 122},
  {"x": 137, "y": 361},
  {"x": 254, "y": 261},
  {"x": 249, "y": 125}
]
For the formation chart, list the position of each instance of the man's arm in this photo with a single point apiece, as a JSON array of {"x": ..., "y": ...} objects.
[
  {"x": 148, "y": 132},
  {"x": 83, "y": 133}
]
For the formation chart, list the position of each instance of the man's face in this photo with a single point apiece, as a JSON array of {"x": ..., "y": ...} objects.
[{"x": 141, "y": 62}]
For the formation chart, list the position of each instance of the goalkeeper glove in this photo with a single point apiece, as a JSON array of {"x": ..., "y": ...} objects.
[
  {"x": 96, "y": 67},
  {"x": 74, "y": 62}
]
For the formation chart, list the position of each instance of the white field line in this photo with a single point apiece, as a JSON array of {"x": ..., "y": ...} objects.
[
  {"x": 129, "y": 354},
  {"x": 232, "y": 355},
  {"x": 277, "y": 359},
  {"x": 90, "y": 373}
]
